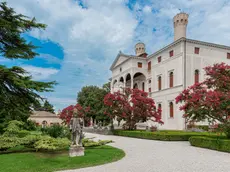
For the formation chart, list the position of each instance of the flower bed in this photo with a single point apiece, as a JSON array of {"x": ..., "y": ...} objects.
[
  {"x": 210, "y": 143},
  {"x": 162, "y": 135}
]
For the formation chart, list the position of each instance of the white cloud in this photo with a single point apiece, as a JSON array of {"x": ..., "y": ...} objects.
[
  {"x": 92, "y": 37},
  {"x": 39, "y": 73},
  {"x": 50, "y": 59}
]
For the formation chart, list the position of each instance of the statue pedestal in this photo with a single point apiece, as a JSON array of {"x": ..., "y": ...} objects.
[{"x": 76, "y": 150}]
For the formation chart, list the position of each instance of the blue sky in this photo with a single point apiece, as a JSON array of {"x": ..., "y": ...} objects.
[{"x": 83, "y": 37}]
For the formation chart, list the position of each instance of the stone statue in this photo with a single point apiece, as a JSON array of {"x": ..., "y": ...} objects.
[
  {"x": 76, "y": 126},
  {"x": 76, "y": 131}
]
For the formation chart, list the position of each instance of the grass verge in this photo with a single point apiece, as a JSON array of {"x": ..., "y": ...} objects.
[{"x": 46, "y": 162}]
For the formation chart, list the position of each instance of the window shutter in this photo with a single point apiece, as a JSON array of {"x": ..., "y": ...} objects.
[
  {"x": 171, "y": 109},
  {"x": 139, "y": 65},
  {"x": 159, "y": 59},
  {"x": 171, "y": 80},
  {"x": 197, "y": 50},
  {"x": 159, "y": 83},
  {"x": 196, "y": 76},
  {"x": 228, "y": 55},
  {"x": 149, "y": 65}
]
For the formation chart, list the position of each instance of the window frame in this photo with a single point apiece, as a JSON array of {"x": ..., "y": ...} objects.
[
  {"x": 228, "y": 56},
  {"x": 196, "y": 50},
  {"x": 159, "y": 59},
  {"x": 139, "y": 64},
  {"x": 171, "y": 53},
  {"x": 159, "y": 77},
  {"x": 171, "y": 109}
]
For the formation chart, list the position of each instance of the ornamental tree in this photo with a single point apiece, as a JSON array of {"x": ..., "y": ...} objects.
[
  {"x": 70, "y": 111},
  {"x": 18, "y": 92},
  {"x": 92, "y": 96},
  {"x": 209, "y": 99},
  {"x": 132, "y": 106}
]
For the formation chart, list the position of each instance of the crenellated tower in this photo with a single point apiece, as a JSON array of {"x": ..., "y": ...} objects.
[{"x": 180, "y": 22}]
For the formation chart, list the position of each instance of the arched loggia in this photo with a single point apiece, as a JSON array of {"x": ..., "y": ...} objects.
[{"x": 140, "y": 79}]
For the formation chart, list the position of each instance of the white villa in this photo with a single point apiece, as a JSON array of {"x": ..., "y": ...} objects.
[{"x": 167, "y": 72}]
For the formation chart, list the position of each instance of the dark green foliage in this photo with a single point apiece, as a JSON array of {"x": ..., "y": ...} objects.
[
  {"x": 93, "y": 96},
  {"x": 48, "y": 107},
  {"x": 160, "y": 135},
  {"x": 210, "y": 143},
  {"x": 56, "y": 131},
  {"x": 30, "y": 125},
  {"x": 12, "y": 25},
  {"x": 18, "y": 93},
  {"x": 106, "y": 87}
]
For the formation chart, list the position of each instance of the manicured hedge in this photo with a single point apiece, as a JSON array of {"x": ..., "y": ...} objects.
[
  {"x": 159, "y": 135},
  {"x": 210, "y": 143}
]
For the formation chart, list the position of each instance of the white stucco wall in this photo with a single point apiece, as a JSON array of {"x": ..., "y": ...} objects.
[{"x": 208, "y": 55}]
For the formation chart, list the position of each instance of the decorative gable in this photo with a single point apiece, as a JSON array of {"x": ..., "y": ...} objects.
[{"x": 119, "y": 59}]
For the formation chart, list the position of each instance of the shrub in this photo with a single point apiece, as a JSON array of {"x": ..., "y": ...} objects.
[
  {"x": 56, "y": 131},
  {"x": 9, "y": 142},
  {"x": 30, "y": 125},
  {"x": 29, "y": 140},
  {"x": 210, "y": 143},
  {"x": 13, "y": 128},
  {"x": 48, "y": 143},
  {"x": 159, "y": 135},
  {"x": 88, "y": 142}
]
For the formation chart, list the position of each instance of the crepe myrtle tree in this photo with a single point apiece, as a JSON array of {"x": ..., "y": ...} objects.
[
  {"x": 209, "y": 99},
  {"x": 68, "y": 112},
  {"x": 132, "y": 106}
]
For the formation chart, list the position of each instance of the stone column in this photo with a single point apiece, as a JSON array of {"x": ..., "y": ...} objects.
[{"x": 131, "y": 83}]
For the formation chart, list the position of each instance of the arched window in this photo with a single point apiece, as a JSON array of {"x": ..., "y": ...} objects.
[
  {"x": 159, "y": 107},
  {"x": 171, "y": 110},
  {"x": 196, "y": 76},
  {"x": 44, "y": 124},
  {"x": 135, "y": 86},
  {"x": 143, "y": 86},
  {"x": 171, "y": 79},
  {"x": 159, "y": 83}
]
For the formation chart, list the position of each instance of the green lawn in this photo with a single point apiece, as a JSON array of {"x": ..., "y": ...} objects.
[{"x": 33, "y": 162}]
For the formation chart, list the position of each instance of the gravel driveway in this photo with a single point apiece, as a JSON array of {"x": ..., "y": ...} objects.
[{"x": 161, "y": 156}]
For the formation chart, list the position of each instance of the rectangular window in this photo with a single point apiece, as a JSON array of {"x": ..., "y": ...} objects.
[
  {"x": 171, "y": 110},
  {"x": 149, "y": 66},
  {"x": 228, "y": 55},
  {"x": 139, "y": 64},
  {"x": 171, "y": 53},
  {"x": 197, "y": 50},
  {"x": 150, "y": 90},
  {"x": 171, "y": 80},
  {"x": 159, "y": 83},
  {"x": 159, "y": 59}
]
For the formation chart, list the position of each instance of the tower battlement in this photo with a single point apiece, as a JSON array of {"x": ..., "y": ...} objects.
[{"x": 180, "y": 22}]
